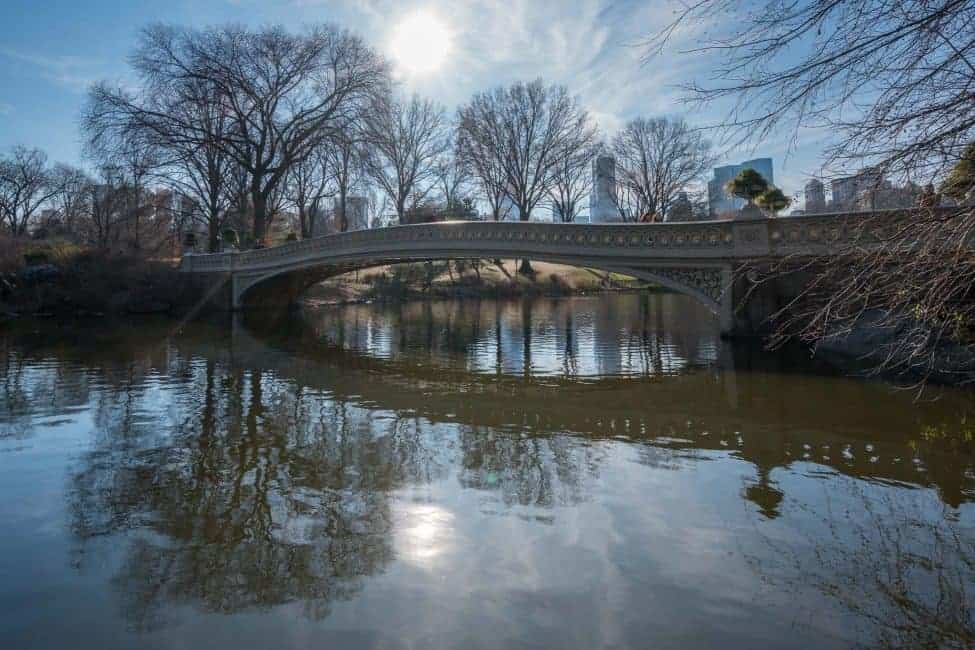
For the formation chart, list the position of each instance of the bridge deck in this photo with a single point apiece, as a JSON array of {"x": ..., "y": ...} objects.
[{"x": 714, "y": 240}]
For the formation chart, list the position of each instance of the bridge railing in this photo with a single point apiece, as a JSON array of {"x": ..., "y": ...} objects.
[{"x": 810, "y": 234}]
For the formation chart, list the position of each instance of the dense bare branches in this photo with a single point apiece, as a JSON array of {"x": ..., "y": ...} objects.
[
  {"x": 903, "y": 286},
  {"x": 307, "y": 185},
  {"x": 523, "y": 132},
  {"x": 655, "y": 159},
  {"x": 454, "y": 178},
  {"x": 283, "y": 94},
  {"x": 474, "y": 150},
  {"x": 345, "y": 155},
  {"x": 71, "y": 185},
  {"x": 25, "y": 185},
  {"x": 893, "y": 80},
  {"x": 572, "y": 179},
  {"x": 404, "y": 141}
]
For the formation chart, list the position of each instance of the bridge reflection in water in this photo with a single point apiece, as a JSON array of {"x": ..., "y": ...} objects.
[
  {"x": 351, "y": 476},
  {"x": 569, "y": 338}
]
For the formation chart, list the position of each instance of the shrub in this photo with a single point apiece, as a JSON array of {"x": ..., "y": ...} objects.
[
  {"x": 962, "y": 177},
  {"x": 748, "y": 185},
  {"x": 773, "y": 200}
]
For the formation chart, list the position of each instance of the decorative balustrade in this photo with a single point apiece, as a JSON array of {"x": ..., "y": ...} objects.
[{"x": 716, "y": 240}]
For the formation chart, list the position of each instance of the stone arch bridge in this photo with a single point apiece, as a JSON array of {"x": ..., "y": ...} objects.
[{"x": 700, "y": 259}]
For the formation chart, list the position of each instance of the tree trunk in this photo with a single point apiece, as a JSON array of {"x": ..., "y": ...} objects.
[
  {"x": 401, "y": 209},
  {"x": 343, "y": 193},
  {"x": 303, "y": 221},
  {"x": 526, "y": 266},
  {"x": 260, "y": 217},
  {"x": 213, "y": 233}
]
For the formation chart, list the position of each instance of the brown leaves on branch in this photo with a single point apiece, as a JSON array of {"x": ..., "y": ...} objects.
[{"x": 903, "y": 285}]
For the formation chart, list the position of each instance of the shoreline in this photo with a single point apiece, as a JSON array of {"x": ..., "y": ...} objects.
[{"x": 91, "y": 286}]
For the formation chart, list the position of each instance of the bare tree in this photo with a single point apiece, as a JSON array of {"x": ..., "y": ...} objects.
[
  {"x": 283, "y": 93},
  {"x": 345, "y": 153},
  {"x": 25, "y": 186},
  {"x": 473, "y": 150},
  {"x": 186, "y": 134},
  {"x": 307, "y": 187},
  {"x": 892, "y": 83},
  {"x": 454, "y": 183},
  {"x": 572, "y": 180},
  {"x": 71, "y": 185},
  {"x": 526, "y": 129},
  {"x": 203, "y": 167},
  {"x": 106, "y": 200},
  {"x": 377, "y": 203},
  {"x": 135, "y": 161},
  {"x": 404, "y": 139},
  {"x": 655, "y": 159}
]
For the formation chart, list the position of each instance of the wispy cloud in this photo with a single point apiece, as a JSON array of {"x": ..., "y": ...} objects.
[
  {"x": 74, "y": 72},
  {"x": 591, "y": 46}
]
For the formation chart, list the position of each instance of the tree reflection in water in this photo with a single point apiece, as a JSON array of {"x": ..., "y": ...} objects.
[
  {"x": 244, "y": 511},
  {"x": 261, "y": 494},
  {"x": 255, "y": 490},
  {"x": 902, "y": 566}
]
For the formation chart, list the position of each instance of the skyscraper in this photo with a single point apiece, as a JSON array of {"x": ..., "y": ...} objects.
[
  {"x": 845, "y": 190},
  {"x": 815, "y": 195},
  {"x": 602, "y": 201},
  {"x": 719, "y": 201}
]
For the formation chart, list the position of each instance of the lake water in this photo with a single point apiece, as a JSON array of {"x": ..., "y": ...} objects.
[{"x": 590, "y": 472}]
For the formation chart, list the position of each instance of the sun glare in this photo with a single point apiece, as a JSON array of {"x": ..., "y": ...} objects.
[{"x": 420, "y": 43}]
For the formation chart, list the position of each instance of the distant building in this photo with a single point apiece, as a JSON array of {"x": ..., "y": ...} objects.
[
  {"x": 602, "y": 201},
  {"x": 845, "y": 190},
  {"x": 719, "y": 201},
  {"x": 680, "y": 209},
  {"x": 869, "y": 190},
  {"x": 888, "y": 197},
  {"x": 357, "y": 208},
  {"x": 815, "y": 196},
  {"x": 357, "y": 212}
]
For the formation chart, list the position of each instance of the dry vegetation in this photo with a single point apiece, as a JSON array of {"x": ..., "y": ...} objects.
[{"x": 63, "y": 278}]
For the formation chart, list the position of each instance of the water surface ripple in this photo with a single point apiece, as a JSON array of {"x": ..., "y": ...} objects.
[{"x": 592, "y": 472}]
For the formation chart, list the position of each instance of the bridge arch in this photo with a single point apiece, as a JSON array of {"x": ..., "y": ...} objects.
[{"x": 274, "y": 287}]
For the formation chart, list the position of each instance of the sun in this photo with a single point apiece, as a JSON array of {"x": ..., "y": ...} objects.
[{"x": 420, "y": 43}]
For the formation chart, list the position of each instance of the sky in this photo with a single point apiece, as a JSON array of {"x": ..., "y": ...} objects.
[{"x": 53, "y": 50}]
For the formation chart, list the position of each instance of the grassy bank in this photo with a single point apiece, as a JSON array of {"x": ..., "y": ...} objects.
[{"x": 460, "y": 280}]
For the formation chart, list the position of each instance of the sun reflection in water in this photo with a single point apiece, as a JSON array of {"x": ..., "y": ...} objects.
[{"x": 424, "y": 532}]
